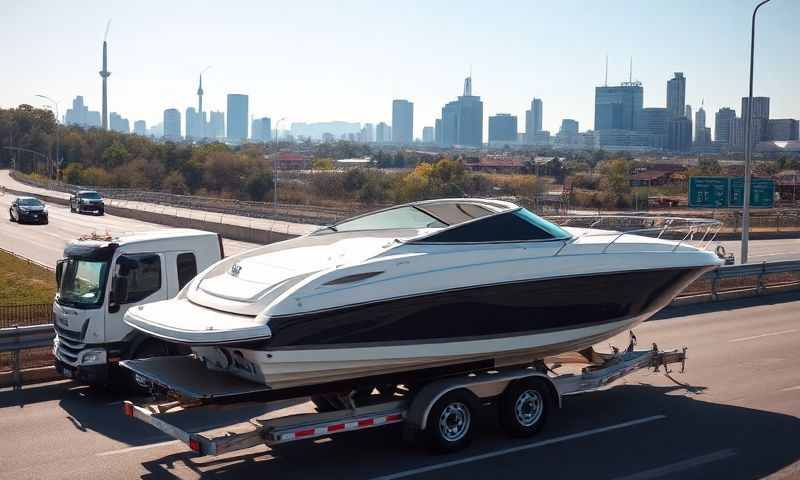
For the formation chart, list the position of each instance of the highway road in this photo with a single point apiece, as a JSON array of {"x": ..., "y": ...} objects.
[
  {"x": 45, "y": 243},
  {"x": 733, "y": 414}
]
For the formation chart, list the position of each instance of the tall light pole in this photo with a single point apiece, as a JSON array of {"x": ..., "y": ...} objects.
[
  {"x": 275, "y": 168},
  {"x": 748, "y": 144},
  {"x": 58, "y": 140}
]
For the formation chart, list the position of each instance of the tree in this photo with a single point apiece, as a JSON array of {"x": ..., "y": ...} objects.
[
  {"x": 174, "y": 183},
  {"x": 709, "y": 166},
  {"x": 322, "y": 164},
  {"x": 258, "y": 184},
  {"x": 617, "y": 181},
  {"x": 115, "y": 155}
]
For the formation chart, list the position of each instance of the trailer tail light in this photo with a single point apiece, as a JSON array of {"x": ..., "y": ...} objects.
[
  {"x": 128, "y": 407},
  {"x": 194, "y": 445}
]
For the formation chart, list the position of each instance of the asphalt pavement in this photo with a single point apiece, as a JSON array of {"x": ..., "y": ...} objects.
[{"x": 733, "y": 414}]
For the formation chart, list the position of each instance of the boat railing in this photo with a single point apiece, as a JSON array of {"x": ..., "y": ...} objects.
[{"x": 697, "y": 232}]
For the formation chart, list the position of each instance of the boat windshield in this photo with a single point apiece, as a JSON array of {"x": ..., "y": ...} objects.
[
  {"x": 407, "y": 217},
  {"x": 518, "y": 225},
  {"x": 82, "y": 283}
]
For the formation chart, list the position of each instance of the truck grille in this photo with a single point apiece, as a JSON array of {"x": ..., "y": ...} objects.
[{"x": 69, "y": 345}]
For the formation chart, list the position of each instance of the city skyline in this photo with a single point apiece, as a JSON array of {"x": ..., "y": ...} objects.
[{"x": 145, "y": 83}]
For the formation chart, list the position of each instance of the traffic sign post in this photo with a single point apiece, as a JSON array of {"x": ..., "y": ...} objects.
[
  {"x": 728, "y": 192},
  {"x": 762, "y": 193}
]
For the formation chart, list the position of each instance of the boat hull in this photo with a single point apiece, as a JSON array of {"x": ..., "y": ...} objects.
[{"x": 507, "y": 323}]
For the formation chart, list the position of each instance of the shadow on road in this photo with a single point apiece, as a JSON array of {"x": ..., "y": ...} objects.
[
  {"x": 725, "y": 305},
  {"x": 753, "y": 443}
]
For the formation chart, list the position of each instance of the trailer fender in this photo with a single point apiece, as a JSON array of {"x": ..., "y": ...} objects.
[{"x": 482, "y": 385}]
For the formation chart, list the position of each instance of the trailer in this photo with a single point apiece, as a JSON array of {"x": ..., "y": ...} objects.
[{"x": 439, "y": 411}]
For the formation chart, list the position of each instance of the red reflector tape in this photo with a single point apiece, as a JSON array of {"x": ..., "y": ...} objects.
[
  {"x": 394, "y": 418},
  {"x": 128, "y": 408},
  {"x": 366, "y": 423},
  {"x": 336, "y": 428},
  {"x": 304, "y": 433}
]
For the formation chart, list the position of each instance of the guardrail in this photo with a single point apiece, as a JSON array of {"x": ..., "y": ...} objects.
[
  {"x": 758, "y": 270},
  {"x": 16, "y": 339}
]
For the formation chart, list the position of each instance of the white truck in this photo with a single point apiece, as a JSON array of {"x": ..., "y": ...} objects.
[{"x": 101, "y": 277}]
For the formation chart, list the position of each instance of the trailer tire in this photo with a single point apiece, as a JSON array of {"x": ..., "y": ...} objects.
[
  {"x": 450, "y": 421},
  {"x": 524, "y": 407},
  {"x": 322, "y": 404}
]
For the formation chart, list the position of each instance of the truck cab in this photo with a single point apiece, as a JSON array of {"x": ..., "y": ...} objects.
[{"x": 101, "y": 277}]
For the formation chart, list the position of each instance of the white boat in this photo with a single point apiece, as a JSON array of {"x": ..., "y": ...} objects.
[{"x": 421, "y": 286}]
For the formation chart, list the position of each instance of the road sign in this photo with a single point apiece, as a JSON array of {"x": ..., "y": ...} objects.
[
  {"x": 762, "y": 192},
  {"x": 709, "y": 192}
]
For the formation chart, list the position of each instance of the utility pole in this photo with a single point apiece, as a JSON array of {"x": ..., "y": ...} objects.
[
  {"x": 57, "y": 163},
  {"x": 275, "y": 168},
  {"x": 748, "y": 145}
]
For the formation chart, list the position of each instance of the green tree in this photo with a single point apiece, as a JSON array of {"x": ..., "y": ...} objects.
[
  {"x": 322, "y": 164},
  {"x": 258, "y": 184},
  {"x": 115, "y": 155}
]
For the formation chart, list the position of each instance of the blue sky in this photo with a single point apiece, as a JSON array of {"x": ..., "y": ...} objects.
[{"x": 347, "y": 60}]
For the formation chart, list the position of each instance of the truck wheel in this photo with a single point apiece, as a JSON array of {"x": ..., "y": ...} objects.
[
  {"x": 524, "y": 406},
  {"x": 450, "y": 422}
]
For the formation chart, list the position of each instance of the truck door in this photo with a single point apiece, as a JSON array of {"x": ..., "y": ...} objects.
[{"x": 145, "y": 280}]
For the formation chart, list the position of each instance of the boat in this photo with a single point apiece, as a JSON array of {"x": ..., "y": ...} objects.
[{"x": 421, "y": 286}]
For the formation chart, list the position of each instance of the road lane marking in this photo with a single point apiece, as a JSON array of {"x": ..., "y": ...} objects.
[
  {"x": 790, "y": 389},
  {"x": 680, "y": 466},
  {"x": 771, "y": 334},
  {"x": 497, "y": 453},
  {"x": 139, "y": 447}
]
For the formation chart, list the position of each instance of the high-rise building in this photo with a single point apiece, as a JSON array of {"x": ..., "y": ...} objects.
[
  {"x": 723, "y": 123},
  {"x": 568, "y": 133},
  {"x": 536, "y": 116},
  {"x": 702, "y": 135},
  {"x": 503, "y": 128},
  {"x": 402, "y": 122},
  {"x": 760, "y": 107},
  {"x": 156, "y": 131},
  {"x": 119, "y": 124},
  {"x": 676, "y": 95},
  {"x": 449, "y": 136},
  {"x": 618, "y": 108},
  {"x": 428, "y": 135},
  {"x": 216, "y": 126},
  {"x": 172, "y": 124},
  {"x": 195, "y": 124},
  {"x": 688, "y": 112},
  {"x": 462, "y": 120},
  {"x": 382, "y": 134},
  {"x": 140, "y": 127},
  {"x": 261, "y": 130},
  {"x": 654, "y": 121},
  {"x": 437, "y": 131},
  {"x": 758, "y": 132},
  {"x": 237, "y": 117},
  {"x": 80, "y": 114},
  {"x": 679, "y": 134},
  {"x": 782, "y": 129}
]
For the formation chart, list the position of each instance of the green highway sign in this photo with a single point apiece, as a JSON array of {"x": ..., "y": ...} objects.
[
  {"x": 708, "y": 192},
  {"x": 728, "y": 192},
  {"x": 762, "y": 192}
]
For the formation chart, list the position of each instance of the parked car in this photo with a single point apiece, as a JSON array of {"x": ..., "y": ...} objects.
[
  {"x": 28, "y": 209},
  {"x": 85, "y": 201}
]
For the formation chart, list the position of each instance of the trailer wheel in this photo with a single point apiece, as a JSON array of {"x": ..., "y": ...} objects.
[
  {"x": 450, "y": 422},
  {"x": 524, "y": 407}
]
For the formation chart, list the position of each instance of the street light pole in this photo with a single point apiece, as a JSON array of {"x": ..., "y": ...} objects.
[
  {"x": 275, "y": 168},
  {"x": 58, "y": 140},
  {"x": 748, "y": 144}
]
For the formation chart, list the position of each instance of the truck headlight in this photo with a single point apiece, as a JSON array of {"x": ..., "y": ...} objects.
[{"x": 93, "y": 357}]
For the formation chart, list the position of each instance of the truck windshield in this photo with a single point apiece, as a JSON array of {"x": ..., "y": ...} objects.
[{"x": 83, "y": 283}]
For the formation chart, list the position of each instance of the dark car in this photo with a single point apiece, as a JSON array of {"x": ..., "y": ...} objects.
[
  {"x": 28, "y": 209},
  {"x": 86, "y": 201}
]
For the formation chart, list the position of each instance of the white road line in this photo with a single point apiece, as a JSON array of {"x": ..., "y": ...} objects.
[
  {"x": 140, "y": 447},
  {"x": 680, "y": 466},
  {"x": 790, "y": 389},
  {"x": 771, "y": 334},
  {"x": 497, "y": 453}
]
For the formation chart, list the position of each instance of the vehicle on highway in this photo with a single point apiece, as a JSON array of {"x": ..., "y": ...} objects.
[
  {"x": 28, "y": 210},
  {"x": 102, "y": 277},
  {"x": 421, "y": 286},
  {"x": 86, "y": 201}
]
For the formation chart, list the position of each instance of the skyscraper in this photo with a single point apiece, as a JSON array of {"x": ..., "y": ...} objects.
[
  {"x": 119, "y": 124},
  {"x": 702, "y": 134},
  {"x": 782, "y": 129},
  {"x": 679, "y": 134},
  {"x": 723, "y": 122},
  {"x": 618, "y": 108},
  {"x": 536, "y": 114},
  {"x": 261, "y": 129},
  {"x": 195, "y": 124},
  {"x": 140, "y": 127},
  {"x": 402, "y": 122},
  {"x": 382, "y": 134},
  {"x": 427, "y": 135},
  {"x": 237, "y": 117},
  {"x": 470, "y": 117},
  {"x": 760, "y": 107},
  {"x": 216, "y": 126},
  {"x": 676, "y": 95},
  {"x": 503, "y": 128},
  {"x": 172, "y": 124},
  {"x": 368, "y": 133},
  {"x": 654, "y": 121},
  {"x": 449, "y": 124},
  {"x": 688, "y": 112},
  {"x": 568, "y": 133},
  {"x": 80, "y": 114}
]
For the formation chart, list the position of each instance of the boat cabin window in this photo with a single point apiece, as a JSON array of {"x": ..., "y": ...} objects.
[
  {"x": 397, "y": 218},
  {"x": 453, "y": 213},
  {"x": 514, "y": 226}
]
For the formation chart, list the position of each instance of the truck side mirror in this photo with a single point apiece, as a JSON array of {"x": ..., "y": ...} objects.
[{"x": 59, "y": 271}]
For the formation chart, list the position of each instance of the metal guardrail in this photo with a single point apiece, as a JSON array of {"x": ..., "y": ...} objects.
[
  {"x": 16, "y": 339},
  {"x": 758, "y": 270}
]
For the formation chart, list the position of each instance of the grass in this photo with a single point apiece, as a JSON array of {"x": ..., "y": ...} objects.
[{"x": 24, "y": 283}]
